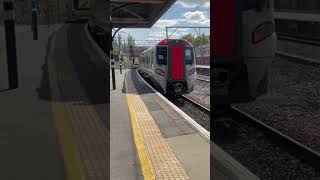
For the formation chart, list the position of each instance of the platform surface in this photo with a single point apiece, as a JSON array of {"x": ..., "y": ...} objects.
[
  {"x": 28, "y": 139},
  {"x": 173, "y": 149},
  {"x": 54, "y": 126}
]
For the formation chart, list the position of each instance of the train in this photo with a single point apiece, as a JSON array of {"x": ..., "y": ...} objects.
[
  {"x": 243, "y": 45},
  {"x": 171, "y": 66}
]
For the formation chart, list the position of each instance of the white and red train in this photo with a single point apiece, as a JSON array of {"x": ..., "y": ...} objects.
[{"x": 171, "y": 66}]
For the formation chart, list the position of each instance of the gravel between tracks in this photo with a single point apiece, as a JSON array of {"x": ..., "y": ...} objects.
[
  {"x": 201, "y": 93},
  {"x": 200, "y": 116},
  {"x": 259, "y": 154},
  {"x": 293, "y": 102}
]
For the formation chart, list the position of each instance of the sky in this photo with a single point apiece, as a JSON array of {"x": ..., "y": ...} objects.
[{"x": 182, "y": 13}]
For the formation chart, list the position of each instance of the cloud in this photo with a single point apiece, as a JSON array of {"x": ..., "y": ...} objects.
[
  {"x": 194, "y": 3},
  {"x": 196, "y": 15},
  {"x": 162, "y": 23},
  {"x": 195, "y": 18},
  {"x": 156, "y": 35},
  {"x": 160, "y": 35}
]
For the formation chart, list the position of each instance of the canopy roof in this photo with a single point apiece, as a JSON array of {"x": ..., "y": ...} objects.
[{"x": 138, "y": 13}]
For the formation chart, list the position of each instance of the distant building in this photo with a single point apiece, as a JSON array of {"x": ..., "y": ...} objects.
[{"x": 204, "y": 58}]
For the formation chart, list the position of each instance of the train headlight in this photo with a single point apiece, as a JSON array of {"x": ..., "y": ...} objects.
[
  {"x": 192, "y": 71},
  {"x": 160, "y": 72},
  {"x": 262, "y": 31}
]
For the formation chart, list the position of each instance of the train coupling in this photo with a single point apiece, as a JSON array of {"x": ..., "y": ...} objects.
[
  {"x": 221, "y": 77},
  {"x": 177, "y": 88}
]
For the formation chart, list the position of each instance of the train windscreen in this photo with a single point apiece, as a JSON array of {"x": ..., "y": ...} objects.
[
  {"x": 189, "y": 55},
  {"x": 162, "y": 55}
]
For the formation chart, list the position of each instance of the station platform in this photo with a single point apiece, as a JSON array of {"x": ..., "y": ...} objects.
[
  {"x": 55, "y": 125},
  {"x": 149, "y": 139}
]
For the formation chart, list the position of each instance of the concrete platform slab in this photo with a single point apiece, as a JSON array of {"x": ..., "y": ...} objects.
[{"x": 196, "y": 156}]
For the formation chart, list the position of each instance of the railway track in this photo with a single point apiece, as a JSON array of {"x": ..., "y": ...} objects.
[
  {"x": 302, "y": 151},
  {"x": 268, "y": 144},
  {"x": 204, "y": 78},
  {"x": 299, "y": 150},
  {"x": 196, "y": 103},
  {"x": 306, "y": 153},
  {"x": 298, "y": 40}
]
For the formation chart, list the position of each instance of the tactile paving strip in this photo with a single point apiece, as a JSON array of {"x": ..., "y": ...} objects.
[
  {"x": 164, "y": 164},
  {"x": 83, "y": 137}
]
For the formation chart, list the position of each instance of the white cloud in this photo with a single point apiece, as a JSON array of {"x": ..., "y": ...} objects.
[
  {"x": 162, "y": 23},
  {"x": 205, "y": 22},
  {"x": 156, "y": 35},
  {"x": 196, "y": 15},
  {"x": 196, "y": 18},
  {"x": 194, "y": 3}
]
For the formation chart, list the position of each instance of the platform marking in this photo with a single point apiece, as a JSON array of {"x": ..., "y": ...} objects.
[
  {"x": 73, "y": 167},
  {"x": 144, "y": 161},
  {"x": 68, "y": 146},
  {"x": 155, "y": 154}
]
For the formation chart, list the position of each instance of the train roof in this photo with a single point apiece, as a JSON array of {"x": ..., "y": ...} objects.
[{"x": 165, "y": 43}]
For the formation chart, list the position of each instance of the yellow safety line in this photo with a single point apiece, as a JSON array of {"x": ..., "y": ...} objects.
[
  {"x": 67, "y": 141},
  {"x": 144, "y": 160},
  {"x": 73, "y": 167}
]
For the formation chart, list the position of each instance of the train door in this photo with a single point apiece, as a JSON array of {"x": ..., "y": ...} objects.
[
  {"x": 176, "y": 64},
  {"x": 243, "y": 48}
]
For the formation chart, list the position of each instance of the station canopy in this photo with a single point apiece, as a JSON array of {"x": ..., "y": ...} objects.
[{"x": 138, "y": 13}]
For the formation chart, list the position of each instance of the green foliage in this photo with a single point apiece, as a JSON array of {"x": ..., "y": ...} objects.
[
  {"x": 189, "y": 37},
  {"x": 196, "y": 40},
  {"x": 131, "y": 40}
]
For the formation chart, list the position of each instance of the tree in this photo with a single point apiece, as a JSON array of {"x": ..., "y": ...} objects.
[
  {"x": 205, "y": 40},
  {"x": 196, "y": 41},
  {"x": 131, "y": 40},
  {"x": 189, "y": 37}
]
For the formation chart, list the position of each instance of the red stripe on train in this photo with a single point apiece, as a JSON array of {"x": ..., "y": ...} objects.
[
  {"x": 177, "y": 57},
  {"x": 223, "y": 28}
]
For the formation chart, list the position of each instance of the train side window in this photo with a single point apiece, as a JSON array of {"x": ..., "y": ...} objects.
[
  {"x": 162, "y": 55},
  {"x": 188, "y": 56}
]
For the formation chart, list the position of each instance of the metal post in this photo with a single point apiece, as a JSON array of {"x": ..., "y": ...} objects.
[
  {"x": 201, "y": 53},
  {"x": 9, "y": 26},
  {"x": 113, "y": 73},
  {"x": 120, "y": 65},
  {"x": 167, "y": 32},
  {"x": 112, "y": 60},
  {"x": 34, "y": 20}
]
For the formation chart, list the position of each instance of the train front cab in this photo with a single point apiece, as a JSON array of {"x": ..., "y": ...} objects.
[
  {"x": 181, "y": 67},
  {"x": 243, "y": 47}
]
